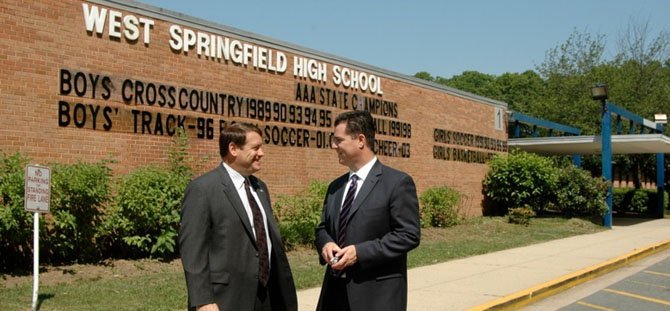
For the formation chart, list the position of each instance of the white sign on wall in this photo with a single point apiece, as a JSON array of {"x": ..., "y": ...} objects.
[
  {"x": 498, "y": 119},
  {"x": 37, "y": 188}
]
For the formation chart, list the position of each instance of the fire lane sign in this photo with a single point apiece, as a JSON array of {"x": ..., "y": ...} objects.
[{"x": 37, "y": 189}]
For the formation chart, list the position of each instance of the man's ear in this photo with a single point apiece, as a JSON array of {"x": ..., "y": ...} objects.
[
  {"x": 361, "y": 141},
  {"x": 232, "y": 149}
]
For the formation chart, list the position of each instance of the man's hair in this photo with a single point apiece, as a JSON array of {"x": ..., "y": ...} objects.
[
  {"x": 359, "y": 122},
  {"x": 235, "y": 133}
]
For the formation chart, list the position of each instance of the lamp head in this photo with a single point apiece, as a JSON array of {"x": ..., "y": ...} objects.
[{"x": 599, "y": 92}]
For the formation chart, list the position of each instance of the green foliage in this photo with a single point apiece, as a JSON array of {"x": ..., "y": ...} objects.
[
  {"x": 523, "y": 179},
  {"x": 424, "y": 75},
  {"x": 439, "y": 207},
  {"x": 570, "y": 71},
  {"x": 299, "y": 214},
  {"x": 84, "y": 224},
  {"x": 578, "y": 55},
  {"x": 79, "y": 193},
  {"x": 638, "y": 70},
  {"x": 520, "y": 179},
  {"x": 636, "y": 201},
  {"x": 579, "y": 194},
  {"x": 520, "y": 215},
  {"x": 144, "y": 219},
  {"x": 179, "y": 161},
  {"x": 629, "y": 201},
  {"x": 474, "y": 82},
  {"x": 521, "y": 91},
  {"x": 15, "y": 223}
]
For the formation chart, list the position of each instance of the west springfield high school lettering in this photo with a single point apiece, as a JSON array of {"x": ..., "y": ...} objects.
[{"x": 223, "y": 48}]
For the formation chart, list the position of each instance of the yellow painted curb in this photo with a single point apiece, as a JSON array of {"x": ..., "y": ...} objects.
[{"x": 535, "y": 293}]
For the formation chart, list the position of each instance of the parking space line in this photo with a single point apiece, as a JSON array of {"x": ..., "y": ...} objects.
[
  {"x": 656, "y": 273},
  {"x": 659, "y": 301},
  {"x": 648, "y": 284},
  {"x": 594, "y": 306}
]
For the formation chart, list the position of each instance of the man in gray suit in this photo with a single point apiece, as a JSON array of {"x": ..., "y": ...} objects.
[
  {"x": 229, "y": 241},
  {"x": 370, "y": 221}
]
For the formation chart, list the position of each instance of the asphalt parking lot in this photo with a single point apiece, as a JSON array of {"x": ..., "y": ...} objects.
[{"x": 648, "y": 289}]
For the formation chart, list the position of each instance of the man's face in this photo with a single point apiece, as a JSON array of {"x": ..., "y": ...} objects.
[
  {"x": 248, "y": 157},
  {"x": 348, "y": 149}
]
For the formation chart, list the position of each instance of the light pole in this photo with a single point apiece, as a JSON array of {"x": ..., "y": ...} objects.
[
  {"x": 660, "y": 119},
  {"x": 600, "y": 92}
]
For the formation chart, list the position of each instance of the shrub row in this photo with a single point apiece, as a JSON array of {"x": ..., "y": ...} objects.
[
  {"x": 637, "y": 201},
  {"x": 86, "y": 223},
  {"x": 92, "y": 215},
  {"x": 521, "y": 179}
]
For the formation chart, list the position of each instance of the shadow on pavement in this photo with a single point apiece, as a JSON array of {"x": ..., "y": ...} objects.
[{"x": 630, "y": 221}]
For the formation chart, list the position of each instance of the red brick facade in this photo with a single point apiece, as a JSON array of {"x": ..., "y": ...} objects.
[{"x": 68, "y": 94}]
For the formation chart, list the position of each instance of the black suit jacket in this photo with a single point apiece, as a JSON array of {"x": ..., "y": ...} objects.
[
  {"x": 218, "y": 248},
  {"x": 384, "y": 226}
]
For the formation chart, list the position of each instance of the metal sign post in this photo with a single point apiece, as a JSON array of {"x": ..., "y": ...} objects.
[
  {"x": 36, "y": 259},
  {"x": 37, "y": 197}
]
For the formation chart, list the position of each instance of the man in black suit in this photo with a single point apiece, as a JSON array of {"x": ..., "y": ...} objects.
[
  {"x": 229, "y": 241},
  {"x": 370, "y": 221}
]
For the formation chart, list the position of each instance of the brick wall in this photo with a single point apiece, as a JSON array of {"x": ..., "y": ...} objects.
[{"x": 43, "y": 43}]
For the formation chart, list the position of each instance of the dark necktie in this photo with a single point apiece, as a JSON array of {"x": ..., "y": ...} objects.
[
  {"x": 344, "y": 212},
  {"x": 261, "y": 240}
]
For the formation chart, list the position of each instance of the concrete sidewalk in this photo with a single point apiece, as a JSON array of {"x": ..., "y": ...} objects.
[{"x": 515, "y": 277}]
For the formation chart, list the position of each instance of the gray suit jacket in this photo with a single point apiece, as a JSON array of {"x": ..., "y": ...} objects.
[
  {"x": 218, "y": 248},
  {"x": 384, "y": 226}
]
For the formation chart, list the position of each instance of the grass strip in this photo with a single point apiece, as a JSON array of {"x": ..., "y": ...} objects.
[{"x": 164, "y": 288}]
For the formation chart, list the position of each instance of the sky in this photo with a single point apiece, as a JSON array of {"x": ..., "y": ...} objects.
[{"x": 442, "y": 37}]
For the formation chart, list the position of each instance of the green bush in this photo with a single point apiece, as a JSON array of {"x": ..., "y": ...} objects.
[
  {"x": 144, "y": 218},
  {"x": 577, "y": 193},
  {"x": 299, "y": 214},
  {"x": 520, "y": 179},
  {"x": 636, "y": 201},
  {"x": 438, "y": 207},
  {"x": 79, "y": 193},
  {"x": 629, "y": 201},
  {"x": 16, "y": 225},
  {"x": 520, "y": 215}
]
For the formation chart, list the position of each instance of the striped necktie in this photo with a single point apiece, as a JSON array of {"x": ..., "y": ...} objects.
[
  {"x": 344, "y": 212},
  {"x": 261, "y": 240}
]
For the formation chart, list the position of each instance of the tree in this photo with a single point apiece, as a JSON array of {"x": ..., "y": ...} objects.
[
  {"x": 474, "y": 82},
  {"x": 424, "y": 75},
  {"x": 568, "y": 71},
  {"x": 639, "y": 82},
  {"x": 521, "y": 91},
  {"x": 641, "y": 74}
]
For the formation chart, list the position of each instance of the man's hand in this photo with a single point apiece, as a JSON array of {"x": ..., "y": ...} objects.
[
  {"x": 347, "y": 257},
  {"x": 209, "y": 307},
  {"x": 328, "y": 251}
]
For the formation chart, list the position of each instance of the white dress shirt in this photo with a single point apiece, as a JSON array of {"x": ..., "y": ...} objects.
[
  {"x": 238, "y": 182},
  {"x": 362, "y": 174}
]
